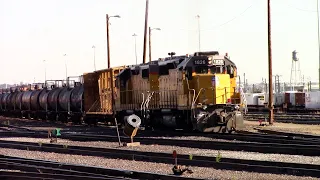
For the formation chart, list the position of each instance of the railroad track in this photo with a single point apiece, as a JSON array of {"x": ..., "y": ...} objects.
[
  {"x": 108, "y": 135},
  {"x": 286, "y": 113},
  {"x": 291, "y": 115},
  {"x": 307, "y": 137},
  {"x": 296, "y": 119},
  {"x": 39, "y": 169},
  {"x": 293, "y": 149},
  {"x": 201, "y": 161}
]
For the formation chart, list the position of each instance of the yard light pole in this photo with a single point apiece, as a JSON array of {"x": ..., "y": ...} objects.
[
  {"x": 45, "y": 71},
  {"x": 65, "y": 64},
  {"x": 150, "y": 29},
  {"x": 108, "y": 42},
  {"x": 135, "y": 46},
  {"x": 94, "y": 57},
  {"x": 198, "y": 17}
]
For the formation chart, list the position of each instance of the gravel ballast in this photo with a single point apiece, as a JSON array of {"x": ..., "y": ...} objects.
[
  {"x": 184, "y": 150},
  {"x": 207, "y": 173}
]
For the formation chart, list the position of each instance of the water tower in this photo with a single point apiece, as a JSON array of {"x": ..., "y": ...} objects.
[{"x": 295, "y": 76}]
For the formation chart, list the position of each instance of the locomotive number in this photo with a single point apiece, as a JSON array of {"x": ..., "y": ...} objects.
[
  {"x": 218, "y": 62},
  {"x": 200, "y": 62}
]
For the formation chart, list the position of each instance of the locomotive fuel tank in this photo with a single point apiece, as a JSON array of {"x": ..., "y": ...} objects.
[
  {"x": 35, "y": 98},
  {"x": 64, "y": 98},
  {"x": 25, "y": 100},
  {"x": 53, "y": 96},
  {"x": 18, "y": 100},
  {"x": 77, "y": 99}
]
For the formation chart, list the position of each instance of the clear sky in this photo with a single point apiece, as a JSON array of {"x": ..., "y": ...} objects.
[{"x": 35, "y": 30}]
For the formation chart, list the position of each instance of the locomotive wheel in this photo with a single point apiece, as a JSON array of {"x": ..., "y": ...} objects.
[{"x": 230, "y": 123}]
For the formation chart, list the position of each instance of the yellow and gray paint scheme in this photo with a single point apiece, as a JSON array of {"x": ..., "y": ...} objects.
[{"x": 195, "y": 91}]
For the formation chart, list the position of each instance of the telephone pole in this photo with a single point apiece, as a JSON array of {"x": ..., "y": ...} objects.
[
  {"x": 145, "y": 32},
  {"x": 318, "y": 40},
  {"x": 270, "y": 68}
]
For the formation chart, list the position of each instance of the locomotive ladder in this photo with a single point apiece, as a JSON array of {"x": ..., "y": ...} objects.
[{"x": 243, "y": 100}]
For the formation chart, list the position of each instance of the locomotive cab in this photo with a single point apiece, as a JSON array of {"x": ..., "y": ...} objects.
[{"x": 215, "y": 102}]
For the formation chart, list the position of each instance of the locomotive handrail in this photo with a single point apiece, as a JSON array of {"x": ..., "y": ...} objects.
[
  {"x": 194, "y": 93},
  {"x": 149, "y": 98},
  {"x": 142, "y": 102}
]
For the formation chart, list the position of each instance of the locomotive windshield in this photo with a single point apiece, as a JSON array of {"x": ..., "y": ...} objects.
[{"x": 217, "y": 69}]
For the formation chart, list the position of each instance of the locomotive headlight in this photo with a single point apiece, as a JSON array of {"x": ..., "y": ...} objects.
[{"x": 209, "y": 60}]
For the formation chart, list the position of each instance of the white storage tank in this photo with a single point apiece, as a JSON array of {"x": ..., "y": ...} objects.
[
  {"x": 312, "y": 100},
  {"x": 249, "y": 99}
]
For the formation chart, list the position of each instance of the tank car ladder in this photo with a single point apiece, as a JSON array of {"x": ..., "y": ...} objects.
[{"x": 243, "y": 100}]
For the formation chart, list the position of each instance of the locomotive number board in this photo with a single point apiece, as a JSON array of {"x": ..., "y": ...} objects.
[
  {"x": 200, "y": 62},
  {"x": 217, "y": 62}
]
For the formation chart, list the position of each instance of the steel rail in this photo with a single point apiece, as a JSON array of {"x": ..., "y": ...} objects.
[
  {"x": 296, "y": 149},
  {"x": 82, "y": 171},
  {"x": 290, "y": 134},
  {"x": 201, "y": 161},
  {"x": 251, "y": 137},
  {"x": 33, "y": 175},
  {"x": 36, "y": 168}
]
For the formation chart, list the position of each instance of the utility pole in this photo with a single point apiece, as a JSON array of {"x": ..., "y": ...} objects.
[
  {"x": 145, "y": 32},
  {"x": 318, "y": 41},
  {"x": 150, "y": 59},
  {"x": 108, "y": 37},
  {"x": 94, "y": 57},
  {"x": 270, "y": 68},
  {"x": 135, "y": 46},
  {"x": 198, "y": 17}
]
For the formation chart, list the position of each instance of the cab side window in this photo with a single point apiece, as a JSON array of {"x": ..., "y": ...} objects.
[{"x": 189, "y": 73}]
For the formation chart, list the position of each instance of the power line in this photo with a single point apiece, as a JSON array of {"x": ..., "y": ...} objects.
[
  {"x": 299, "y": 9},
  {"x": 216, "y": 27},
  {"x": 234, "y": 18}
]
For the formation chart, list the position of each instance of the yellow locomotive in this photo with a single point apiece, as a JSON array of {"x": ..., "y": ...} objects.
[{"x": 195, "y": 92}]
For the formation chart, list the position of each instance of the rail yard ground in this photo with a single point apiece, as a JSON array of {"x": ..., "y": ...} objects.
[
  {"x": 285, "y": 127},
  {"x": 135, "y": 164}
]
